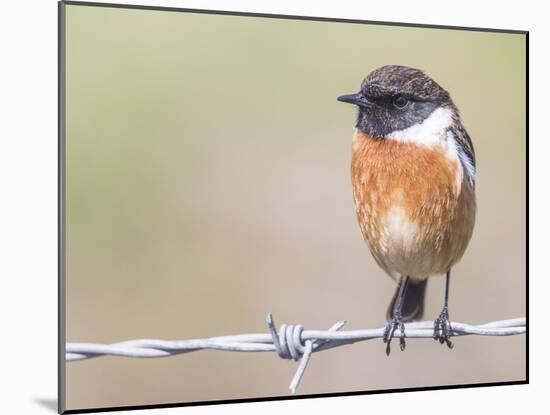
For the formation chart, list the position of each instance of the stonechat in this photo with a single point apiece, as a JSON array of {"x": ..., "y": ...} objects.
[{"x": 413, "y": 177}]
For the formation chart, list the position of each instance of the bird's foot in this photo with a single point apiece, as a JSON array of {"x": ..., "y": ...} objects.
[
  {"x": 442, "y": 328},
  {"x": 393, "y": 324}
]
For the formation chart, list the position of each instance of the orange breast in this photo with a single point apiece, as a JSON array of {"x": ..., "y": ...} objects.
[{"x": 414, "y": 208}]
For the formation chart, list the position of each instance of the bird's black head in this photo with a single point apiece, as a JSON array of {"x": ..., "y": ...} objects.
[{"x": 395, "y": 97}]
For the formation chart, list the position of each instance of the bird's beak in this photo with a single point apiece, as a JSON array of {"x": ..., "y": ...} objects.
[{"x": 358, "y": 99}]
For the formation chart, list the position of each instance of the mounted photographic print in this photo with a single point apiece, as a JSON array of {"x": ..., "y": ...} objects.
[{"x": 260, "y": 207}]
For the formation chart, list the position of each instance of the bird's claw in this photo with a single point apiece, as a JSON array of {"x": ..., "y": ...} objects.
[
  {"x": 389, "y": 331},
  {"x": 442, "y": 328}
]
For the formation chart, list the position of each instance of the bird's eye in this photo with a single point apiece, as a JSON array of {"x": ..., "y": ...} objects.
[{"x": 400, "y": 102}]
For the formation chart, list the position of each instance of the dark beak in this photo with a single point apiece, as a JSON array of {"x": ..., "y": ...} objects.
[{"x": 358, "y": 99}]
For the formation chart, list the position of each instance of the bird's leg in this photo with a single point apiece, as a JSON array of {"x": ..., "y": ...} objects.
[
  {"x": 397, "y": 318},
  {"x": 442, "y": 325}
]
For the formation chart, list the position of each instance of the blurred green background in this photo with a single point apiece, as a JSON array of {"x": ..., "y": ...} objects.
[{"x": 208, "y": 184}]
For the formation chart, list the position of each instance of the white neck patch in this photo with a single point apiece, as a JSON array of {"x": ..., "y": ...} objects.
[
  {"x": 434, "y": 131},
  {"x": 429, "y": 132}
]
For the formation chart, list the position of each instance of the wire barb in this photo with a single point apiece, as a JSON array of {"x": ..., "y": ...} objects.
[{"x": 289, "y": 342}]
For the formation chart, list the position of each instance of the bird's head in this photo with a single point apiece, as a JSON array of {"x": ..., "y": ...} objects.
[{"x": 394, "y": 98}]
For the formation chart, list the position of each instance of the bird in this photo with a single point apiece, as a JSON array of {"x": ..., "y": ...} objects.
[{"x": 413, "y": 174}]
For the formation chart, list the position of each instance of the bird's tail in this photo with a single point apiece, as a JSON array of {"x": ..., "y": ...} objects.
[{"x": 413, "y": 301}]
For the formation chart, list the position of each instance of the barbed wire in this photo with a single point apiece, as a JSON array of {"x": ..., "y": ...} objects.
[{"x": 290, "y": 341}]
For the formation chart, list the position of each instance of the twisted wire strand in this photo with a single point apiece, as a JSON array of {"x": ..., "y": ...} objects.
[{"x": 289, "y": 342}]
